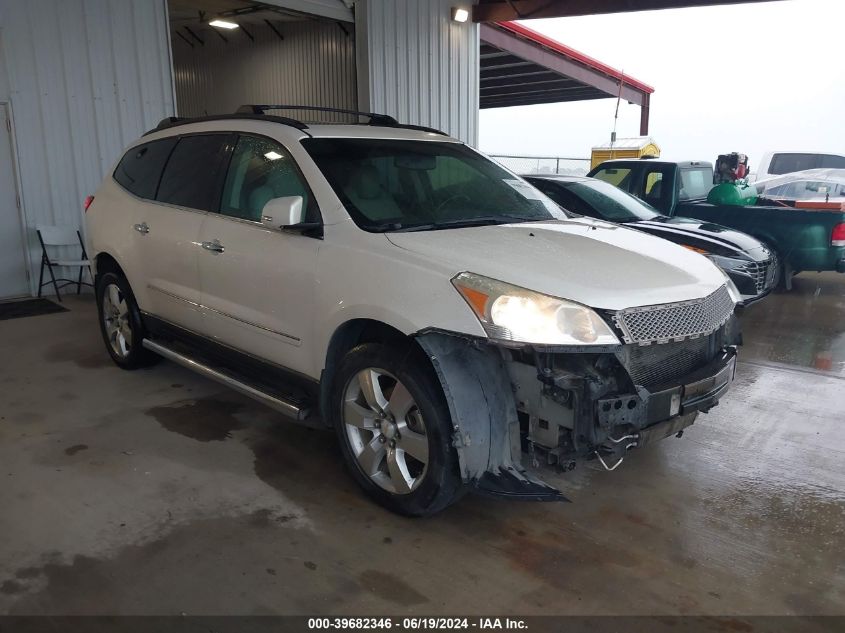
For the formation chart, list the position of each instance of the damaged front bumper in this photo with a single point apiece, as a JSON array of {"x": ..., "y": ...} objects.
[
  {"x": 656, "y": 413},
  {"x": 561, "y": 407}
]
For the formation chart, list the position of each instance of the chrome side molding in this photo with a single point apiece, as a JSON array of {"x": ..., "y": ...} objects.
[{"x": 271, "y": 401}]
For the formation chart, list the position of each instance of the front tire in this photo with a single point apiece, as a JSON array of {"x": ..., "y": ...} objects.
[
  {"x": 120, "y": 322},
  {"x": 394, "y": 429}
]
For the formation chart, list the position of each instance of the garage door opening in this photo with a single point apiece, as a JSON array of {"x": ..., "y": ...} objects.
[{"x": 259, "y": 53}]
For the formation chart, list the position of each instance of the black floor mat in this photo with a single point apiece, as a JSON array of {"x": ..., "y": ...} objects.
[{"x": 28, "y": 308}]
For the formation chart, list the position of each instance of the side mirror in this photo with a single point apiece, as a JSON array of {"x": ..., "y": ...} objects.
[
  {"x": 288, "y": 214},
  {"x": 283, "y": 212}
]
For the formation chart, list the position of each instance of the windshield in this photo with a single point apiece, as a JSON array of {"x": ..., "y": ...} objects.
[
  {"x": 607, "y": 202},
  {"x": 391, "y": 185}
]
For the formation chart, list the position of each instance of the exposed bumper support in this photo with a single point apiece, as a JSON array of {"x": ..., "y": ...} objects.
[
  {"x": 698, "y": 391},
  {"x": 486, "y": 428},
  {"x": 480, "y": 385}
]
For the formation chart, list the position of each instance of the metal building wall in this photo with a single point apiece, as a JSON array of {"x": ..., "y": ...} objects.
[
  {"x": 313, "y": 65},
  {"x": 417, "y": 64},
  {"x": 84, "y": 78}
]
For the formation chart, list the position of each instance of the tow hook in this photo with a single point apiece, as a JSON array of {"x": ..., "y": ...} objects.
[{"x": 631, "y": 443}]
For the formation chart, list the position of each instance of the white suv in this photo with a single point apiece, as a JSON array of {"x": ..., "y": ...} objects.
[{"x": 440, "y": 313}]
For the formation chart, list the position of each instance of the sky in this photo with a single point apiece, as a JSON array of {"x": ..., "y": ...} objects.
[{"x": 748, "y": 78}]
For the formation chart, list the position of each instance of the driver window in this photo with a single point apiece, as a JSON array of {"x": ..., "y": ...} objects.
[{"x": 260, "y": 170}]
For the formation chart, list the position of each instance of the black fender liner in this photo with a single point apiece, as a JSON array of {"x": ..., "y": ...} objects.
[{"x": 480, "y": 399}]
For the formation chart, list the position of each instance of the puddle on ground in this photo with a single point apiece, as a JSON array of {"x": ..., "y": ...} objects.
[{"x": 205, "y": 419}]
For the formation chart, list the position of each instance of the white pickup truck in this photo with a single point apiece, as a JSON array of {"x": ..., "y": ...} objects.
[{"x": 440, "y": 313}]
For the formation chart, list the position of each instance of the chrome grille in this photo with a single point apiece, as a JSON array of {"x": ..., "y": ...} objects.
[
  {"x": 675, "y": 321},
  {"x": 650, "y": 365},
  {"x": 763, "y": 273}
]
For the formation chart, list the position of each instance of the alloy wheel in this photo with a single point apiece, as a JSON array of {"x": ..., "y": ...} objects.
[
  {"x": 386, "y": 431},
  {"x": 115, "y": 313}
]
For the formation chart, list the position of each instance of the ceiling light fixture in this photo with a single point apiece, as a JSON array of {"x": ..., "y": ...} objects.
[
  {"x": 459, "y": 14},
  {"x": 223, "y": 24}
]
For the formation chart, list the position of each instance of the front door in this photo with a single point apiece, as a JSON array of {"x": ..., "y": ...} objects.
[
  {"x": 13, "y": 271},
  {"x": 258, "y": 282}
]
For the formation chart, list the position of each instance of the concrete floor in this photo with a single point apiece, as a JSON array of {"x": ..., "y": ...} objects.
[{"x": 158, "y": 492}]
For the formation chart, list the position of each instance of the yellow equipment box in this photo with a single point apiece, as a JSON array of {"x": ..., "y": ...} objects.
[{"x": 635, "y": 147}]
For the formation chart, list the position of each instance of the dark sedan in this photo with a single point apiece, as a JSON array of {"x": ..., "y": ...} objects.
[{"x": 748, "y": 262}]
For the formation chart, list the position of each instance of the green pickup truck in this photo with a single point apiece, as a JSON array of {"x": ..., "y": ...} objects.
[{"x": 804, "y": 239}]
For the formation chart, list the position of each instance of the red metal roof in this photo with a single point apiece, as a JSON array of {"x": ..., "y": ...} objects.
[{"x": 574, "y": 55}]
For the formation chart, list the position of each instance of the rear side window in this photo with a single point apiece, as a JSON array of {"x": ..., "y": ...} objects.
[
  {"x": 788, "y": 163},
  {"x": 192, "y": 177},
  {"x": 695, "y": 183},
  {"x": 619, "y": 176},
  {"x": 832, "y": 161},
  {"x": 139, "y": 171},
  {"x": 657, "y": 191}
]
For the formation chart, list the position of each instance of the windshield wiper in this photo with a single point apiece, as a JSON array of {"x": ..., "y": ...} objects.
[
  {"x": 385, "y": 228},
  {"x": 465, "y": 223}
]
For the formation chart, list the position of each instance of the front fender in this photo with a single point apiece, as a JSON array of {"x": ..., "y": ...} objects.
[{"x": 485, "y": 424}]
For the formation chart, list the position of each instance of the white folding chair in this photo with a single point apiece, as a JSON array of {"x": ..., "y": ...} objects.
[{"x": 61, "y": 236}]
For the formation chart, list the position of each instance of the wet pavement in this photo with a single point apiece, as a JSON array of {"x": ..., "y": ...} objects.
[
  {"x": 159, "y": 492},
  {"x": 804, "y": 327}
]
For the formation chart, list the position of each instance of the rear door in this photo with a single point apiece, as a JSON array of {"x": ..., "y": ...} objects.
[
  {"x": 168, "y": 229},
  {"x": 257, "y": 281}
]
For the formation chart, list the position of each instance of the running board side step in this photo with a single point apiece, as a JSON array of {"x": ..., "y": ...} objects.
[{"x": 274, "y": 402}]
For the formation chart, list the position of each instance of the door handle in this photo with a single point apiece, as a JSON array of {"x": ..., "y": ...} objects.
[
  {"x": 214, "y": 246},
  {"x": 143, "y": 228}
]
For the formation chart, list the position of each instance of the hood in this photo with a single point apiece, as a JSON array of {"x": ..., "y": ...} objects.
[
  {"x": 714, "y": 238},
  {"x": 598, "y": 264}
]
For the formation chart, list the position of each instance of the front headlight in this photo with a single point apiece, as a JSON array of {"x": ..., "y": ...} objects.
[
  {"x": 511, "y": 313},
  {"x": 726, "y": 263}
]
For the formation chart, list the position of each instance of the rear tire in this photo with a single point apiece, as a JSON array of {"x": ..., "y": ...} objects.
[
  {"x": 395, "y": 429},
  {"x": 120, "y": 322}
]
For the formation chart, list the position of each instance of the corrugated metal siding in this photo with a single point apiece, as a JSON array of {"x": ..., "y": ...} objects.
[
  {"x": 85, "y": 77},
  {"x": 422, "y": 67},
  {"x": 313, "y": 65}
]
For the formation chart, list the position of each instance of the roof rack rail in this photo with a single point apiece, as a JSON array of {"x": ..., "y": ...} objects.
[
  {"x": 381, "y": 120},
  {"x": 173, "y": 121},
  {"x": 258, "y": 113}
]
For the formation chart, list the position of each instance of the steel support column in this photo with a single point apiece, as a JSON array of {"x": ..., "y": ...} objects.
[{"x": 644, "y": 114}]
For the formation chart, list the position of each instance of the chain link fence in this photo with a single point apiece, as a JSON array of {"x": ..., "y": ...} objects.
[{"x": 535, "y": 165}]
